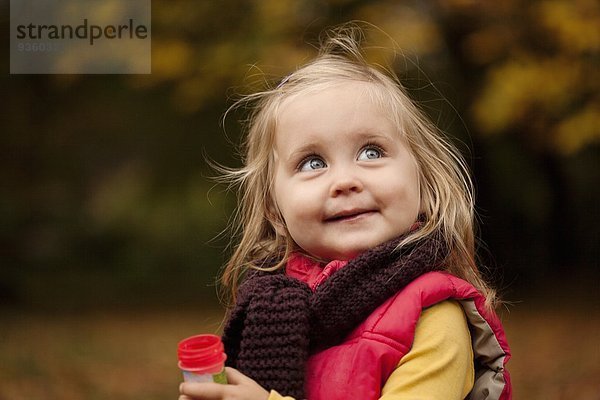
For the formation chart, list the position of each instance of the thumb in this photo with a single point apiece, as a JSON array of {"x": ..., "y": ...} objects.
[
  {"x": 204, "y": 390},
  {"x": 243, "y": 386},
  {"x": 235, "y": 377}
]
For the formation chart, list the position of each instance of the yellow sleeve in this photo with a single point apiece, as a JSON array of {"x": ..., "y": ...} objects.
[
  {"x": 273, "y": 395},
  {"x": 439, "y": 365}
]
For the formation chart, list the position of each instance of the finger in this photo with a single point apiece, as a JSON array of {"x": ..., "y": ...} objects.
[
  {"x": 235, "y": 377},
  {"x": 184, "y": 397},
  {"x": 204, "y": 391}
]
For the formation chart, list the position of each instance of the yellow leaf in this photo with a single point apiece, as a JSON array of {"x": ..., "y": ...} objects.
[{"x": 579, "y": 130}]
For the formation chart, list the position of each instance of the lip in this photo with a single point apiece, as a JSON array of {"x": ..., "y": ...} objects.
[{"x": 349, "y": 215}]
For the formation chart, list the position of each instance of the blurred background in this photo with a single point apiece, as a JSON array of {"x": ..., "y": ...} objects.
[{"x": 110, "y": 222}]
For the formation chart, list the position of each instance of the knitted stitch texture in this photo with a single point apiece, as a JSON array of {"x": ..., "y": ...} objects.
[{"x": 278, "y": 321}]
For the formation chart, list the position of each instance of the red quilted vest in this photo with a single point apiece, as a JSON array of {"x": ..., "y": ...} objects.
[{"x": 359, "y": 367}]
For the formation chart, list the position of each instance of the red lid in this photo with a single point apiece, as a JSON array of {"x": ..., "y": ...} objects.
[{"x": 200, "y": 352}]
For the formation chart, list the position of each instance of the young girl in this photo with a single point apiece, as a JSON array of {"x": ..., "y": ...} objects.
[{"x": 357, "y": 249}]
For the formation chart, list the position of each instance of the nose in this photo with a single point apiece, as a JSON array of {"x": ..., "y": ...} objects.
[{"x": 345, "y": 182}]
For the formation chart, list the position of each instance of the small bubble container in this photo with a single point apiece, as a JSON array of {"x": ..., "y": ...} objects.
[{"x": 202, "y": 359}]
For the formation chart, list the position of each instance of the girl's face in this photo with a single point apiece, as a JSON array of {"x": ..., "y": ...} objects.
[{"x": 345, "y": 180}]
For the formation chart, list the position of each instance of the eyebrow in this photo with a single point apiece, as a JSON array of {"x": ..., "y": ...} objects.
[
  {"x": 300, "y": 153},
  {"x": 375, "y": 136},
  {"x": 303, "y": 150}
]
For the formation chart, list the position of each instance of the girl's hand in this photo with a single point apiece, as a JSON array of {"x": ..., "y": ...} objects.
[{"x": 240, "y": 387}]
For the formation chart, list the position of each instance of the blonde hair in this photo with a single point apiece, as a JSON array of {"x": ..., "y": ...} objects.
[{"x": 447, "y": 201}]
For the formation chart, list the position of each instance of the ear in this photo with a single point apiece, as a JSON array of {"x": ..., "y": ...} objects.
[
  {"x": 423, "y": 195},
  {"x": 276, "y": 219}
]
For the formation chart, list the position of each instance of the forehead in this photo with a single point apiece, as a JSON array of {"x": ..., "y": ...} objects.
[
  {"x": 351, "y": 106},
  {"x": 331, "y": 122},
  {"x": 367, "y": 92}
]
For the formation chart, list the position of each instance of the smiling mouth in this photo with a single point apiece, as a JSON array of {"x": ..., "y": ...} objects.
[{"x": 349, "y": 215}]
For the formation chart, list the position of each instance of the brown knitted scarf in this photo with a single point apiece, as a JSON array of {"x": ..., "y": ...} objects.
[{"x": 278, "y": 321}]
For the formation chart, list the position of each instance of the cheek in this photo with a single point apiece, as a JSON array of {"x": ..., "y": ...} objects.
[
  {"x": 286, "y": 202},
  {"x": 414, "y": 190},
  {"x": 405, "y": 196},
  {"x": 417, "y": 203},
  {"x": 419, "y": 193},
  {"x": 293, "y": 207},
  {"x": 421, "y": 200},
  {"x": 300, "y": 212},
  {"x": 279, "y": 203}
]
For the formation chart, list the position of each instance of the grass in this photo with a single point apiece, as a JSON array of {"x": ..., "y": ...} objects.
[
  {"x": 556, "y": 352},
  {"x": 124, "y": 355},
  {"x": 117, "y": 355}
]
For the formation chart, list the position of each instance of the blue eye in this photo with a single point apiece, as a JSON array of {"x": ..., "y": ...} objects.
[
  {"x": 312, "y": 163},
  {"x": 370, "y": 153}
]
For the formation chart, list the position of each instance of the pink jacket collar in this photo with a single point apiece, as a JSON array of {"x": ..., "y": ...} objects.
[{"x": 310, "y": 271}]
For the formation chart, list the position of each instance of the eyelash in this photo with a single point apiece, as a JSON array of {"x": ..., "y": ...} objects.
[
  {"x": 306, "y": 159},
  {"x": 375, "y": 146},
  {"x": 315, "y": 155}
]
